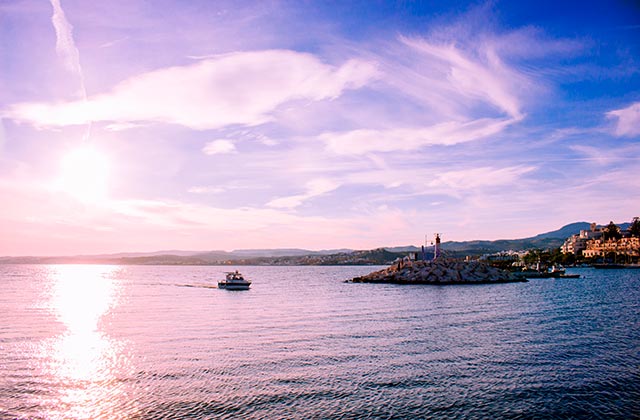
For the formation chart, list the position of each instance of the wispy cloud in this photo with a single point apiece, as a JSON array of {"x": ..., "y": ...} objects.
[
  {"x": 437, "y": 180},
  {"x": 66, "y": 46},
  {"x": 239, "y": 88},
  {"x": 114, "y": 42},
  {"x": 458, "y": 78},
  {"x": 205, "y": 190},
  {"x": 470, "y": 179},
  {"x": 314, "y": 188},
  {"x": 2, "y": 137},
  {"x": 465, "y": 91},
  {"x": 218, "y": 147},
  {"x": 628, "y": 120},
  {"x": 610, "y": 155},
  {"x": 484, "y": 78},
  {"x": 405, "y": 139}
]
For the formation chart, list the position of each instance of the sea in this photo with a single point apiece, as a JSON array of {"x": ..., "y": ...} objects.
[{"x": 162, "y": 342}]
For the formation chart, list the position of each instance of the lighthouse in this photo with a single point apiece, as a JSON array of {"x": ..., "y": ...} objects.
[{"x": 436, "y": 248}]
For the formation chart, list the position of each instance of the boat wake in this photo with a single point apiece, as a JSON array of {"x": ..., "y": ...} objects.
[{"x": 201, "y": 285}]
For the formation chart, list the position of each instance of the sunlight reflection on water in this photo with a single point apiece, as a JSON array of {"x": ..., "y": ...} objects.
[{"x": 83, "y": 360}]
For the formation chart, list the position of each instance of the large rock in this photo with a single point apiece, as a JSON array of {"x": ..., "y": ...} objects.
[{"x": 440, "y": 271}]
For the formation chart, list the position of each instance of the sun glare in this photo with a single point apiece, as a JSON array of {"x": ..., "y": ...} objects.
[
  {"x": 84, "y": 357},
  {"x": 84, "y": 174}
]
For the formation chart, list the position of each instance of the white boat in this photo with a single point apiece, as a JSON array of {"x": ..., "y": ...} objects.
[{"x": 234, "y": 281}]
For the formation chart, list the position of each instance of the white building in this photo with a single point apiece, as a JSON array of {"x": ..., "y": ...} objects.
[{"x": 577, "y": 243}]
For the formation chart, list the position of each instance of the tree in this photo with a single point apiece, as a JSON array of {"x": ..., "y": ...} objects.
[
  {"x": 532, "y": 256},
  {"x": 558, "y": 257},
  {"x": 535, "y": 256},
  {"x": 612, "y": 231},
  {"x": 634, "y": 229}
]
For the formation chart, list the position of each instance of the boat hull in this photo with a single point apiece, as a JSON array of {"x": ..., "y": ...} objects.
[
  {"x": 233, "y": 286},
  {"x": 540, "y": 274}
]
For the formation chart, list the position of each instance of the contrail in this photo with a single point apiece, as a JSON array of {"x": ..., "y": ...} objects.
[{"x": 67, "y": 50}]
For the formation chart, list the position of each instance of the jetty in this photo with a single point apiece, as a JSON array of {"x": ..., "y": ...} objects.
[{"x": 439, "y": 271}]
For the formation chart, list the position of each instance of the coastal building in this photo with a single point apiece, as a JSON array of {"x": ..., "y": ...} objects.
[
  {"x": 578, "y": 242},
  {"x": 626, "y": 246},
  {"x": 594, "y": 244}
]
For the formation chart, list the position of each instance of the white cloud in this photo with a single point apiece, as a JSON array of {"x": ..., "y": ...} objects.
[
  {"x": 65, "y": 45},
  {"x": 470, "y": 179},
  {"x": 205, "y": 190},
  {"x": 456, "y": 79},
  {"x": 609, "y": 155},
  {"x": 237, "y": 88},
  {"x": 122, "y": 126},
  {"x": 2, "y": 137},
  {"x": 406, "y": 139},
  {"x": 465, "y": 91},
  {"x": 217, "y": 147},
  {"x": 441, "y": 181},
  {"x": 628, "y": 120},
  {"x": 266, "y": 140},
  {"x": 314, "y": 187},
  {"x": 486, "y": 78}
]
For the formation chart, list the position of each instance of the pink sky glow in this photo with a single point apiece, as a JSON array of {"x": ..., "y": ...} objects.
[{"x": 130, "y": 126}]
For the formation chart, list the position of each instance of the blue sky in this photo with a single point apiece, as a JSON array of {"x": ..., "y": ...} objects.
[{"x": 137, "y": 126}]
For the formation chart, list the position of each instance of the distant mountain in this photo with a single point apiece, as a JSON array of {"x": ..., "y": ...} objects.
[
  {"x": 144, "y": 254},
  {"x": 378, "y": 256},
  {"x": 407, "y": 248},
  {"x": 283, "y": 252},
  {"x": 565, "y": 231},
  {"x": 546, "y": 240},
  {"x": 296, "y": 256},
  {"x": 573, "y": 229}
]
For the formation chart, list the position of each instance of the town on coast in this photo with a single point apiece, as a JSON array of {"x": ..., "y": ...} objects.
[{"x": 604, "y": 247}]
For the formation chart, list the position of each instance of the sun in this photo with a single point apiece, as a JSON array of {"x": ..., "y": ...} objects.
[{"x": 84, "y": 174}]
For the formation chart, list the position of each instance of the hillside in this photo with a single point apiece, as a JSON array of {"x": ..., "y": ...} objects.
[
  {"x": 565, "y": 231},
  {"x": 545, "y": 240},
  {"x": 296, "y": 256}
]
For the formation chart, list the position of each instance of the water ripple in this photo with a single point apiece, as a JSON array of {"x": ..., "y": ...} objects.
[{"x": 163, "y": 343}]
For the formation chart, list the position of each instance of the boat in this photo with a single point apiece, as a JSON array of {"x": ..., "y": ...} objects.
[
  {"x": 554, "y": 273},
  {"x": 234, "y": 281},
  {"x": 535, "y": 274}
]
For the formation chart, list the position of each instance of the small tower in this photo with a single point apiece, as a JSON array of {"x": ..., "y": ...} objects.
[{"x": 436, "y": 248}]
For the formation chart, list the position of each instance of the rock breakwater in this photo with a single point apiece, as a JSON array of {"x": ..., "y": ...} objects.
[{"x": 440, "y": 271}]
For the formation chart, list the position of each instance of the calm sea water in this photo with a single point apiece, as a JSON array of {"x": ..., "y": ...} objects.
[{"x": 159, "y": 342}]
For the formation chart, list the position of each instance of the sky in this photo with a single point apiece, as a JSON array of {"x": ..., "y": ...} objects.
[{"x": 132, "y": 125}]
